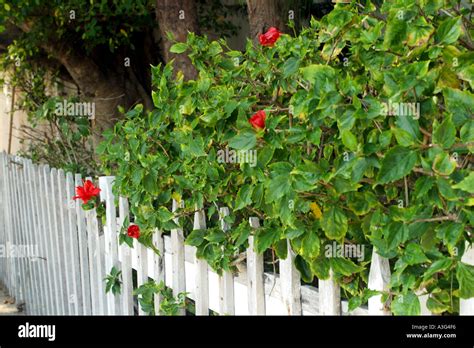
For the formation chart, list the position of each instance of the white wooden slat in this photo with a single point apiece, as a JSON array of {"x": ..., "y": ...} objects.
[
  {"x": 329, "y": 296},
  {"x": 73, "y": 247},
  {"x": 256, "y": 289},
  {"x": 423, "y": 298},
  {"x": 44, "y": 295},
  {"x": 103, "y": 272},
  {"x": 36, "y": 284},
  {"x": 66, "y": 234},
  {"x": 3, "y": 207},
  {"x": 12, "y": 231},
  {"x": 226, "y": 281},
  {"x": 30, "y": 242},
  {"x": 21, "y": 237},
  {"x": 466, "y": 306},
  {"x": 84, "y": 252},
  {"x": 11, "y": 222},
  {"x": 4, "y": 217},
  {"x": 32, "y": 302},
  {"x": 95, "y": 262},
  {"x": 58, "y": 237},
  {"x": 127, "y": 280},
  {"x": 177, "y": 250},
  {"x": 20, "y": 293},
  {"x": 45, "y": 196},
  {"x": 290, "y": 280},
  {"x": 142, "y": 268},
  {"x": 379, "y": 279},
  {"x": 23, "y": 297},
  {"x": 158, "y": 266},
  {"x": 202, "y": 274},
  {"x": 114, "y": 302}
]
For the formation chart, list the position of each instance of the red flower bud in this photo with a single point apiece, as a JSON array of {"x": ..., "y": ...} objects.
[
  {"x": 258, "y": 120},
  {"x": 133, "y": 231},
  {"x": 86, "y": 192},
  {"x": 270, "y": 37}
]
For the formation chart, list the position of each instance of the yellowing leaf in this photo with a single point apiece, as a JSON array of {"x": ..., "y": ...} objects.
[
  {"x": 316, "y": 210},
  {"x": 176, "y": 196}
]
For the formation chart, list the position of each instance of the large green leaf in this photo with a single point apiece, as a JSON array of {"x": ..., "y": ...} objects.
[
  {"x": 467, "y": 184},
  {"x": 334, "y": 223},
  {"x": 414, "y": 255},
  {"x": 448, "y": 31},
  {"x": 407, "y": 304},
  {"x": 321, "y": 76},
  {"x": 465, "y": 275},
  {"x": 444, "y": 133},
  {"x": 310, "y": 245},
  {"x": 397, "y": 163},
  {"x": 344, "y": 266},
  {"x": 349, "y": 140},
  {"x": 243, "y": 141}
]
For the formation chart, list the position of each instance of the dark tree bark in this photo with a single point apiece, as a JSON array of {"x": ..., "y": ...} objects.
[
  {"x": 178, "y": 17},
  {"x": 264, "y": 14},
  {"x": 107, "y": 87}
]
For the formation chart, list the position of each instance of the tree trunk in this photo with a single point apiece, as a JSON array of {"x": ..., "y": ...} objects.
[
  {"x": 105, "y": 87},
  {"x": 177, "y": 17},
  {"x": 264, "y": 14}
]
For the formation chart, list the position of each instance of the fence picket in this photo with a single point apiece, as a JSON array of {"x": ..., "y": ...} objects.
[
  {"x": 379, "y": 278},
  {"x": 17, "y": 276},
  {"x": 56, "y": 239},
  {"x": 95, "y": 262},
  {"x": 111, "y": 239},
  {"x": 67, "y": 240},
  {"x": 226, "y": 281},
  {"x": 466, "y": 306},
  {"x": 3, "y": 217},
  {"x": 71, "y": 247},
  {"x": 256, "y": 289},
  {"x": 177, "y": 254},
  {"x": 202, "y": 275},
  {"x": 158, "y": 266},
  {"x": 45, "y": 175},
  {"x": 22, "y": 237},
  {"x": 329, "y": 296},
  {"x": 290, "y": 281},
  {"x": 83, "y": 250},
  {"x": 125, "y": 251},
  {"x": 36, "y": 278},
  {"x": 142, "y": 268}
]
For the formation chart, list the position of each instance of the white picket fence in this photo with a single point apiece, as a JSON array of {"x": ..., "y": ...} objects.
[{"x": 67, "y": 278}]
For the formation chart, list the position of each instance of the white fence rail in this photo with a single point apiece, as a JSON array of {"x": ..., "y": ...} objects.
[{"x": 66, "y": 256}]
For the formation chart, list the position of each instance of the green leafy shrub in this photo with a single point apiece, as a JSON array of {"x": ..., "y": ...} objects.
[
  {"x": 335, "y": 163},
  {"x": 169, "y": 304}
]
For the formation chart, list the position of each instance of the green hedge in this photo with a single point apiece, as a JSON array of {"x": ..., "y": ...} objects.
[{"x": 336, "y": 161}]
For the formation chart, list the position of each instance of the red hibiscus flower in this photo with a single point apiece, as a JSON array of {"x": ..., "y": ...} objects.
[
  {"x": 258, "y": 120},
  {"x": 86, "y": 192},
  {"x": 270, "y": 37},
  {"x": 133, "y": 231}
]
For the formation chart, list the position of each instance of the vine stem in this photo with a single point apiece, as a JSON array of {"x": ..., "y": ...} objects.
[{"x": 450, "y": 217}]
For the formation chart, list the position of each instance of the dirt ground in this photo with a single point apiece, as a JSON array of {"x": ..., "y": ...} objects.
[{"x": 6, "y": 305}]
